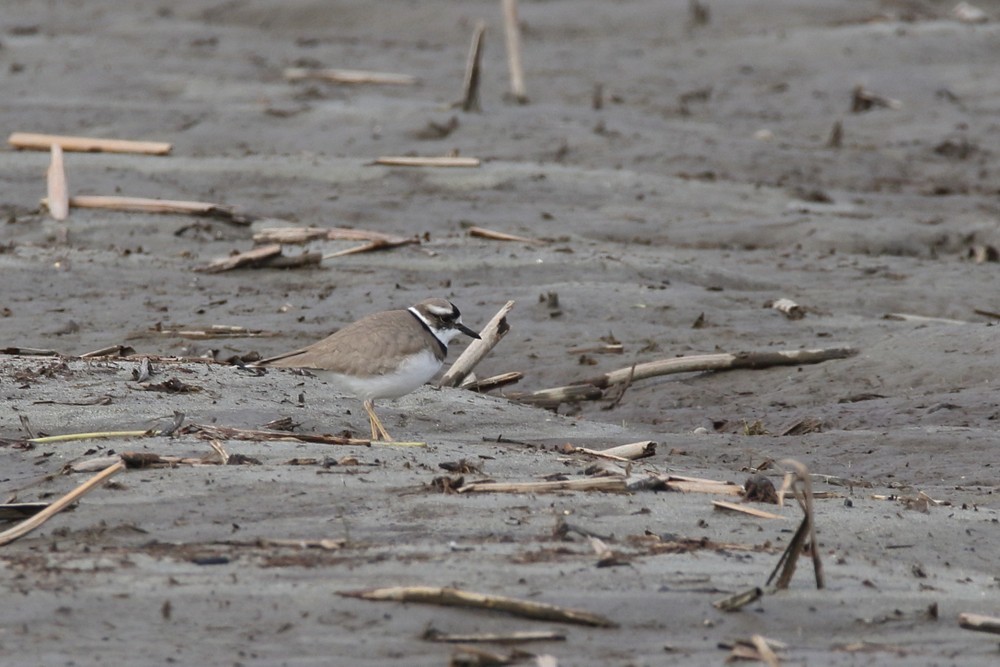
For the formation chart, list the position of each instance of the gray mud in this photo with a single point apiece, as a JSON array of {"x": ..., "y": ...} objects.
[{"x": 702, "y": 189}]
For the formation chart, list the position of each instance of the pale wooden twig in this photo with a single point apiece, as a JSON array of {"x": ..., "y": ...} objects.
[
  {"x": 214, "y": 331},
  {"x": 300, "y": 235},
  {"x": 109, "y": 351},
  {"x": 764, "y": 651},
  {"x": 800, "y": 481},
  {"x": 604, "y": 348},
  {"x": 225, "y": 432},
  {"x": 610, "y": 484},
  {"x": 491, "y": 383},
  {"x": 909, "y": 317},
  {"x": 28, "y": 525},
  {"x": 70, "y": 437},
  {"x": 629, "y": 452},
  {"x": 58, "y": 197},
  {"x": 266, "y": 256},
  {"x": 703, "y": 362},
  {"x": 352, "y": 76},
  {"x": 42, "y": 142},
  {"x": 470, "y": 89},
  {"x": 513, "y": 32},
  {"x": 685, "y": 484},
  {"x": 144, "y": 205},
  {"x": 492, "y": 333},
  {"x": 979, "y": 622},
  {"x": 367, "y": 247},
  {"x": 461, "y": 598},
  {"x": 788, "y": 308},
  {"x": 496, "y": 638},
  {"x": 436, "y": 161},
  {"x": 739, "y": 600},
  {"x": 502, "y": 236},
  {"x": 745, "y": 509},
  {"x": 252, "y": 257}
]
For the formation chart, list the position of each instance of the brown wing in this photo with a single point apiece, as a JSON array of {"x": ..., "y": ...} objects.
[{"x": 365, "y": 348}]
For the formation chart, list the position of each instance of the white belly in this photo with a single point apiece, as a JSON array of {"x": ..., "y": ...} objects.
[{"x": 415, "y": 372}]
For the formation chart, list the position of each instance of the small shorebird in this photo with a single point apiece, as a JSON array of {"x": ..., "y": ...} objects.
[{"x": 382, "y": 355}]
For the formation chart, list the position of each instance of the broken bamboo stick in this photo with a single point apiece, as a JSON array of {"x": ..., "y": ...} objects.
[
  {"x": 502, "y": 236},
  {"x": 43, "y": 142},
  {"x": 489, "y": 384},
  {"x": 610, "y": 484},
  {"x": 470, "y": 89},
  {"x": 456, "y": 597},
  {"x": 229, "y": 433},
  {"x": 979, "y": 622},
  {"x": 516, "y": 637},
  {"x": 745, "y": 509},
  {"x": 433, "y": 161},
  {"x": 58, "y": 190},
  {"x": 697, "y": 363},
  {"x": 629, "y": 452},
  {"x": 492, "y": 333},
  {"x": 143, "y": 204},
  {"x": 739, "y": 600},
  {"x": 28, "y": 525},
  {"x": 512, "y": 30},
  {"x": 799, "y": 480},
  {"x": 301, "y": 235},
  {"x": 349, "y": 76}
]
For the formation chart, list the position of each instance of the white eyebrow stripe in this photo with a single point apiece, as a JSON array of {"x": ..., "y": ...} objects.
[{"x": 442, "y": 312}]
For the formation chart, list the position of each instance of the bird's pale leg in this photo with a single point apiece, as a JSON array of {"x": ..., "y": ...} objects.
[{"x": 378, "y": 431}]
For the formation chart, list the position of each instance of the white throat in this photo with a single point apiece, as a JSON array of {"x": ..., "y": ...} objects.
[{"x": 444, "y": 336}]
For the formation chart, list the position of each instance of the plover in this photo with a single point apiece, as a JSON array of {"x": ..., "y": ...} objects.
[{"x": 382, "y": 355}]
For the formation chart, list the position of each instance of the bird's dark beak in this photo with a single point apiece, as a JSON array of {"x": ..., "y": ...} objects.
[{"x": 466, "y": 330}]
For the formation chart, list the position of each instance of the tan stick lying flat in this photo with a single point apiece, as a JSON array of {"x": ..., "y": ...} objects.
[
  {"x": 512, "y": 31},
  {"x": 629, "y": 452},
  {"x": 612, "y": 484},
  {"x": 72, "y": 437},
  {"x": 225, "y": 432},
  {"x": 300, "y": 235},
  {"x": 455, "y": 597},
  {"x": 908, "y": 317},
  {"x": 745, "y": 509},
  {"x": 254, "y": 257},
  {"x": 765, "y": 652},
  {"x": 492, "y": 333},
  {"x": 142, "y": 204},
  {"x": 495, "y": 638},
  {"x": 440, "y": 161},
  {"x": 739, "y": 600},
  {"x": 42, "y": 142},
  {"x": 502, "y": 236},
  {"x": 147, "y": 205},
  {"x": 979, "y": 623},
  {"x": 491, "y": 383},
  {"x": 703, "y": 362},
  {"x": 214, "y": 331},
  {"x": 28, "y": 525},
  {"x": 58, "y": 197},
  {"x": 352, "y": 76},
  {"x": 470, "y": 90},
  {"x": 716, "y": 362}
]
